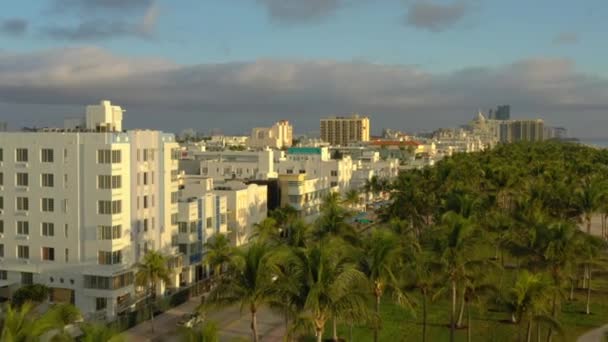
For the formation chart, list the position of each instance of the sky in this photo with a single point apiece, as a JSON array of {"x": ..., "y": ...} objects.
[{"x": 233, "y": 64}]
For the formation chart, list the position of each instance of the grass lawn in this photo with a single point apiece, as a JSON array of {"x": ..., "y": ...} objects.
[{"x": 399, "y": 324}]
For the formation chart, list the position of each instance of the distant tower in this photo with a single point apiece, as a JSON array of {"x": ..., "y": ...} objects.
[{"x": 503, "y": 112}]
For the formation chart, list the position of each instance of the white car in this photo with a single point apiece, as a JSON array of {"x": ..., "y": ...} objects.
[{"x": 189, "y": 320}]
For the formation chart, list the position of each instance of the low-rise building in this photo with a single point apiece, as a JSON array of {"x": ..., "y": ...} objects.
[
  {"x": 305, "y": 193},
  {"x": 279, "y": 136}
]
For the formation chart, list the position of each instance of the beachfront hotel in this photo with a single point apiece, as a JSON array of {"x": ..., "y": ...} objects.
[{"x": 79, "y": 207}]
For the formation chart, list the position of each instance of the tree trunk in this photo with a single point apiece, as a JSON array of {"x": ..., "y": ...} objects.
[
  {"x": 286, "y": 321},
  {"x": 468, "y": 324},
  {"x": 319, "y": 335},
  {"x": 335, "y": 330},
  {"x": 462, "y": 305},
  {"x": 254, "y": 324},
  {"x": 350, "y": 334},
  {"x": 588, "y": 224},
  {"x": 553, "y": 312},
  {"x": 588, "y": 309},
  {"x": 529, "y": 333},
  {"x": 424, "y": 316},
  {"x": 571, "y": 298},
  {"x": 151, "y": 306},
  {"x": 453, "y": 312},
  {"x": 538, "y": 332},
  {"x": 377, "y": 323}
]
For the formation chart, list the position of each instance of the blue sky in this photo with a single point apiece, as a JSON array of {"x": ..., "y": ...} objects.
[{"x": 442, "y": 39}]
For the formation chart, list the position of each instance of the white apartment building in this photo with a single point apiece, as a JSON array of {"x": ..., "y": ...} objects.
[
  {"x": 232, "y": 164},
  {"x": 79, "y": 207},
  {"x": 279, "y": 136},
  {"x": 304, "y": 193},
  {"x": 370, "y": 164},
  {"x": 316, "y": 162},
  {"x": 202, "y": 214}
]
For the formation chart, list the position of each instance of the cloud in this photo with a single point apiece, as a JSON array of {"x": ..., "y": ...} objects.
[
  {"x": 566, "y": 38},
  {"x": 101, "y": 28},
  {"x": 97, "y": 5},
  {"x": 299, "y": 11},
  {"x": 232, "y": 95},
  {"x": 13, "y": 27},
  {"x": 435, "y": 17}
]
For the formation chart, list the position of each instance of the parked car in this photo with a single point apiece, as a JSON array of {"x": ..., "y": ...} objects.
[{"x": 189, "y": 320}]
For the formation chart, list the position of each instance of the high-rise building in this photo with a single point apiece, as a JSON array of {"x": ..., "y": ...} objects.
[
  {"x": 279, "y": 136},
  {"x": 502, "y": 113},
  {"x": 79, "y": 207},
  {"x": 345, "y": 130},
  {"x": 521, "y": 130}
]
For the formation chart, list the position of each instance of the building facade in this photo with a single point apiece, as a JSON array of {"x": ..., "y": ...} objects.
[
  {"x": 345, "y": 130},
  {"x": 79, "y": 208},
  {"x": 279, "y": 136}
]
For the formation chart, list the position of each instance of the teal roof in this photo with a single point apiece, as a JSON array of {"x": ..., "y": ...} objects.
[{"x": 304, "y": 150}]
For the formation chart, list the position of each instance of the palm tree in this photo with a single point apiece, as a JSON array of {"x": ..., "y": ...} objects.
[
  {"x": 207, "y": 332},
  {"x": 589, "y": 197},
  {"x": 218, "y": 251},
  {"x": 330, "y": 284},
  {"x": 64, "y": 314},
  {"x": 529, "y": 302},
  {"x": 100, "y": 333},
  {"x": 22, "y": 325},
  {"x": 334, "y": 220},
  {"x": 150, "y": 273},
  {"x": 248, "y": 281},
  {"x": 267, "y": 231},
  {"x": 352, "y": 199},
  {"x": 456, "y": 246},
  {"x": 379, "y": 264},
  {"x": 590, "y": 250}
]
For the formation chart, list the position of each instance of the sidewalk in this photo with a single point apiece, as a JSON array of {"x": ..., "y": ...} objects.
[
  {"x": 231, "y": 323},
  {"x": 595, "y": 335}
]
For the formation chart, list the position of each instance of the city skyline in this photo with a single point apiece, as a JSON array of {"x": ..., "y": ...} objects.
[{"x": 414, "y": 65}]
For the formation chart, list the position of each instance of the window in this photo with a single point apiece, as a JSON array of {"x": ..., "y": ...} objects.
[
  {"x": 65, "y": 180},
  {"x": 1, "y": 155},
  {"x": 182, "y": 227},
  {"x": 48, "y": 180},
  {"x": 23, "y": 228},
  {"x": 145, "y": 225},
  {"x": 334, "y": 173},
  {"x": 1, "y": 202},
  {"x": 289, "y": 172},
  {"x": 48, "y": 253},
  {"x": 145, "y": 178},
  {"x": 21, "y": 155},
  {"x": 151, "y": 177},
  {"x": 333, "y": 184},
  {"x": 3, "y": 274},
  {"x": 175, "y": 154},
  {"x": 23, "y": 203},
  {"x": 47, "y": 155},
  {"x": 48, "y": 229},
  {"x": 109, "y": 232},
  {"x": 173, "y": 219},
  {"x": 108, "y": 156},
  {"x": 27, "y": 278},
  {"x": 101, "y": 303},
  {"x": 23, "y": 252},
  {"x": 209, "y": 222},
  {"x": 48, "y": 204},
  {"x": 223, "y": 219},
  {"x": 67, "y": 255},
  {"x": 1, "y": 178},
  {"x": 183, "y": 248},
  {"x": 145, "y": 202},
  {"x": 109, "y": 258},
  {"x": 2, "y": 251},
  {"x": 174, "y": 196},
  {"x": 174, "y": 174},
  {"x": 66, "y": 230},
  {"x": 22, "y": 179},
  {"x": 109, "y": 182},
  {"x": 109, "y": 207},
  {"x": 1, "y": 227}
]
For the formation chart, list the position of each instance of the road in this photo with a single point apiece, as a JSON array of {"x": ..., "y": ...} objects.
[{"x": 231, "y": 323}]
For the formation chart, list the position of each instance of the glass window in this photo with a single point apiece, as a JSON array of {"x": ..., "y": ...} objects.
[
  {"x": 2, "y": 255},
  {"x": 47, "y": 155},
  {"x": 3, "y": 273},
  {"x": 48, "y": 180},
  {"x": 48, "y": 253},
  {"x": 48, "y": 205},
  {"x": 48, "y": 229},
  {"x": 27, "y": 278},
  {"x": 22, "y": 179},
  {"x": 23, "y": 203},
  {"x": 1, "y": 226},
  {"x": 101, "y": 303},
  {"x": 1, "y": 178},
  {"x": 21, "y": 155},
  {"x": 23, "y": 228},
  {"x": 23, "y": 252}
]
